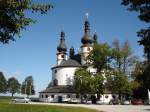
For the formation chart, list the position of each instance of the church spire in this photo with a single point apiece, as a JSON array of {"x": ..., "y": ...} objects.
[
  {"x": 95, "y": 38},
  {"x": 87, "y": 38},
  {"x": 62, "y": 46},
  {"x": 71, "y": 53}
]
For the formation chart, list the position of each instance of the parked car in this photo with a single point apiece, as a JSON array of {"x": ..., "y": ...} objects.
[
  {"x": 100, "y": 102},
  {"x": 88, "y": 102},
  {"x": 21, "y": 100},
  {"x": 137, "y": 102},
  {"x": 126, "y": 102},
  {"x": 114, "y": 102},
  {"x": 66, "y": 100},
  {"x": 74, "y": 100}
]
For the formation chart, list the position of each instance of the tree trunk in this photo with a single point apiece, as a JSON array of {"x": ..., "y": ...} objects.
[
  {"x": 81, "y": 98},
  {"x": 12, "y": 95}
]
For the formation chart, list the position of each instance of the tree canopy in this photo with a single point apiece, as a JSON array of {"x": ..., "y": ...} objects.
[
  {"x": 100, "y": 56},
  {"x": 13, "y": 85},
  {"x": 14, "y": 18},
  {"x": 28, "y": 86},
  {"x": 3, "y": 83},
  {"x": 142, "y": 7}
]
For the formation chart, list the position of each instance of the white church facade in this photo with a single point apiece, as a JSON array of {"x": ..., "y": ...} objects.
[{"x": 63, "y": 73}]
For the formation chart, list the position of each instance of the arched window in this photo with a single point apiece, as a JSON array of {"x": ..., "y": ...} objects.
[
  {"x": 106, "y": 96},
  {"x": 88, "y": 49},
  {"x": 68, "y": 96},
  {"x": 46, "y": 96},
  {"x": 55, "y": 82},
  {"x": 52, "y": 96}
]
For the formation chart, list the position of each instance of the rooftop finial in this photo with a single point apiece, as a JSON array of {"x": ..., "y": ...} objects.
[{"x": 86, "y": 15}]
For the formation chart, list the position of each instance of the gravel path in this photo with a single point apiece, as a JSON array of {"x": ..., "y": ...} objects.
[{"x": 107, "y": 108}]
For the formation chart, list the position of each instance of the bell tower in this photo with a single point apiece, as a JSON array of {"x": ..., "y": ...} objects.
[
  {"x": 87, "y": 41},
  {"x": 61, "y": 55}
]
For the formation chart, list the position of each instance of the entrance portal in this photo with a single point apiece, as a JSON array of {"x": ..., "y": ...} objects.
[
  {"x": 93, "y": 98},
  {"x": 59, "y": 99}
]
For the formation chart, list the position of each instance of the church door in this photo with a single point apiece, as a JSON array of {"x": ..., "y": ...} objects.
[{"x": 59, "y": 99}]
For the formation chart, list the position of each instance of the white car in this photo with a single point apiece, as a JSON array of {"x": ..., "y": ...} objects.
[
  {"x": 126, "y": 102},
  {"x": 74, "y": 100},
  {"x": 100, "y": 102},
  {"x": 21, "y": 100},
  {"x": 88, "y": 102}
]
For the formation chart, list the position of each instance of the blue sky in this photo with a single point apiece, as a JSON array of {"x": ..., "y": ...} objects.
[{"x": 35, "y": 52}]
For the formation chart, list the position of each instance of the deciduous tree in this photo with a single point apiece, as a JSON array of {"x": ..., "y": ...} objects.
[
  {"x": 100, "y": 57},
  {"x": 28, "y": 86},
  {"x": 142, "y": 7},
  {"x": 13, "y": 86},
  {"x": 14, "y": 18},
  {"x": 3, "y": 83}
]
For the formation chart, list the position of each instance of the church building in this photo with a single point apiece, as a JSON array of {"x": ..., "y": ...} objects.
[{"x": 61, "y": 89}]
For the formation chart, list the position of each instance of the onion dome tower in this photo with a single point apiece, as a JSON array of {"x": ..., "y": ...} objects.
[
  {"x": 61, "y": 55},
  {"x": 87, "y": 41},
  {"x": 95, "y": 39},
  {"x": 87, "y": 38},
  {"x": 71, "y": 53}
]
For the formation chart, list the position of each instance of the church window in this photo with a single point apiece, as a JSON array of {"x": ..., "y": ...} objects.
[
  {"x": 77, "y": 96},
  {"x": 106, "y": 96},
  {"x": 55, "y": 71},
  {"x": 62, "y": 56},
  {"x": 42, "y": 96},
  {"x": 52, "y": 96},
  {"x": 55, "y": 82},
  {"x": 85, "y": 96},
  {"x": 88, "y": 49},
  {"x": 46, "y": 96},
  {"x": 68, "y": 96}
]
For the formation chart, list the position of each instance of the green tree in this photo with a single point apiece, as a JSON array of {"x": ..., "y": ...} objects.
[
  {"x": 120, "y": 84},
  {"x": 28, "y": 86},
  {"x": 100, "y": 57},
  {"x": 142, "y": 7},
  {"x": 82, "y": 82},
  {"x": 13, "y": 86},
  {"x": 117, "y": 55},
  {"x": 14, "y": 18},
  {"x": 123, "y": 56},
  {"x": 3, "y": 83},
  {"x": 139, "y": 75},
  {"x": 98, "y": 85}
]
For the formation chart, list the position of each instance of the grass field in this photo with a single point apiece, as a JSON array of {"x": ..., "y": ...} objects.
[{"x": 7, "y": 106}]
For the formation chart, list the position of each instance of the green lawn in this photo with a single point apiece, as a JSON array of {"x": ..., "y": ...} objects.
[{"x": 7, "y": 106}]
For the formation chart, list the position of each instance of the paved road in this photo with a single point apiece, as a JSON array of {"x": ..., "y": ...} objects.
[{"x": 108, "y": 108}]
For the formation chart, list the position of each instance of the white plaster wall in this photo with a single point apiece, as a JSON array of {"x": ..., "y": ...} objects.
[
  {"x": 56, "y": 95},
  {"x": 85, "y": 49},
  {"x": 84, "y": 53},
  {"x": 60, "y": 59},
  {"x": 64, "y": 75}
]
